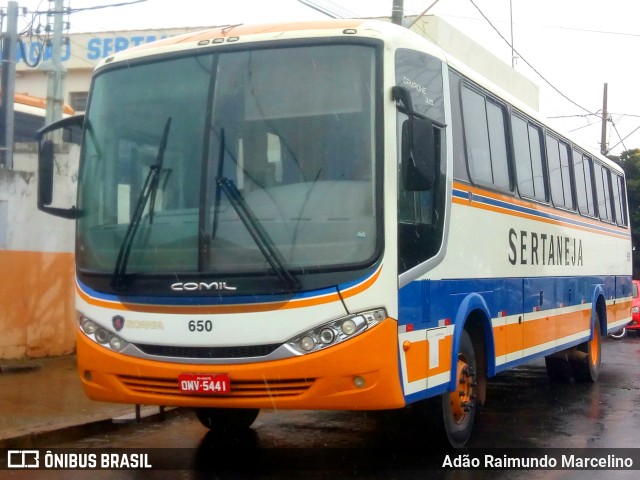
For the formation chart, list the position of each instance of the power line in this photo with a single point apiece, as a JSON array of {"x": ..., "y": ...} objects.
[
  {"x": 555, "y": 27},
  {"x": 623, "y": 139},
  {"x": 529, "y": 64},
  {"x": 615, "y": 127},
  {"x": 96, "y": 7}
]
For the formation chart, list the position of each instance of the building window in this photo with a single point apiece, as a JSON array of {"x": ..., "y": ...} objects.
[{"x": 78, "y": 101}]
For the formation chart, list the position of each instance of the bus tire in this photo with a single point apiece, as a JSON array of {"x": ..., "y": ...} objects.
[
  {"x": 227, "y": 419},
  {"x": 459, "y": 407},
  {"x": 587, "y": 368}
]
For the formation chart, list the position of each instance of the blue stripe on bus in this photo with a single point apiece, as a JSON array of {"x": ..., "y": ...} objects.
[
  {"x": 423, "y": 303},
  {"x": 479, "y": 198},
  {"x": 248, "y": 299}
]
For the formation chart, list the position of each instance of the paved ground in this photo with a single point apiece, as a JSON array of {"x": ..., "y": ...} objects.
[{"x": 42, "y": 401}]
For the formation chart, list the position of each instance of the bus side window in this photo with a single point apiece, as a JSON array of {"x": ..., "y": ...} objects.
[
  {"x": 618, "y": 200},
  {"x": 603, "y": 192},
  {"x": 485, "y": 135},
  {"x": 527, "y": 141},
  {"x": 559, "y": 173},
  {"x": 584, "y": 185}
]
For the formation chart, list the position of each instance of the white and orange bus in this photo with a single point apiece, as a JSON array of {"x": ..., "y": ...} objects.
[
  {"x": 331, "y": 215},
  {"x": 29, "y": 116}
]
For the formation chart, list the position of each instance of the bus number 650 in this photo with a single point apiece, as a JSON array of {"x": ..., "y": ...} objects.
[{"x": 200, "y": 325}]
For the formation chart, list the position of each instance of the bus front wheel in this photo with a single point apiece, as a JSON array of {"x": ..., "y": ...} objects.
[
  {"x": 227, "y": 419},
  {"x": 459, "y": 407}
]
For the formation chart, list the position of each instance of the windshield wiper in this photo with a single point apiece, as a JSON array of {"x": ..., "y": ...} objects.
[
  {"x": 251, "y": 223},
  {"x": 149, "y": 189},
  {"x": 257, "y": 232}
]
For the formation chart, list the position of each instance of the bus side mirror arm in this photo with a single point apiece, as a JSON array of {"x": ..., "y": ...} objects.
[
  {"x": 46, "y": 160},
  {"x": 418, "y": 145}
]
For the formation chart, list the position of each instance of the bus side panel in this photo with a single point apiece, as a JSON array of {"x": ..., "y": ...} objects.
[
  {"x": 619, "y": 312},
  {"x": 530, "y": 318},
  {"x": 424, "y": 342}
]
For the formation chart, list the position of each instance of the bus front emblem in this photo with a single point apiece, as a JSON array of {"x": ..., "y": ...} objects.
[{"x": 200, "y": 286}]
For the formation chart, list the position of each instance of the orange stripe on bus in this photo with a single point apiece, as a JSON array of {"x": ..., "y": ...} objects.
[
  {"x": 623, "y": 232},
  {"x": 618, "y": 311},
  {"x": 528, "y": 216},
  {"x": 236, "y": 308},
  {"x": 511, "y": 338}
]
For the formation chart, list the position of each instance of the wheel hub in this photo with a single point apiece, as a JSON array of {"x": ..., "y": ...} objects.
[{"x": 463, "y": 398}]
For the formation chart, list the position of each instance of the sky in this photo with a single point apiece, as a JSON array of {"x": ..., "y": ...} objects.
[{"x": 574, "y": 46}]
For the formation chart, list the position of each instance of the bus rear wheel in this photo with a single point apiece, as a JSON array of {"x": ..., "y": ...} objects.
[
  {"x": 587, "y": 367},
  {"x": 227, "y": 419},
  {"x": 459, "y": 407}
]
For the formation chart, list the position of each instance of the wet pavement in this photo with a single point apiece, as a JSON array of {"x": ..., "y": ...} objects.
[
  {"x": 42, "y": 402},
  {"x": 43, "y": 405}
]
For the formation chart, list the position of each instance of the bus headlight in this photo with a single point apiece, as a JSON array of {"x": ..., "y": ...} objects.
[
  {"x": 100, "y": 334},
  {"x": 88, "y": 326},
  {"x": 336, "y": 331}
]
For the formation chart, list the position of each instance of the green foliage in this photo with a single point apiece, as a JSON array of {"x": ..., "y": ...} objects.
[{"x": 629, "y": 160}]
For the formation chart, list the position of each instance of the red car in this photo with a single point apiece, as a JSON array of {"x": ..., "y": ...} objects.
[
  {"x": 635, "y": 308},
  {"x": 635, "y": 314}
]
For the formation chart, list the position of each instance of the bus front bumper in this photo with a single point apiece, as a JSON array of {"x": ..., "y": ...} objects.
[{"x": 359, "y": 374}]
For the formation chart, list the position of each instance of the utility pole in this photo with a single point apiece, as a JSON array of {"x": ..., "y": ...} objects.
[
  {"x": 605, "y": 114},
  {"x": 397, "y": 12},
  {"x": 8, "y": 81},
  {"x": 55, "y": 70}
]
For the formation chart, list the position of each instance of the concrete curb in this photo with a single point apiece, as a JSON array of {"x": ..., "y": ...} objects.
[
  {"x": 19, "y": 367},
  {"x": 70, "y": 433}
]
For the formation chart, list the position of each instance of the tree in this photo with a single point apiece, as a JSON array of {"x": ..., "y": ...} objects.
[{"x": 629, "y": 160}]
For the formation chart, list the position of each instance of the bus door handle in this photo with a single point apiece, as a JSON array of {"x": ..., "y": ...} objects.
[{"x": 541, "y": 297}]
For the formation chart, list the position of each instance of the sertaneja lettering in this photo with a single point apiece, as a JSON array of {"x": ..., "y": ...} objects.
[{"x": 534, "y": 248}]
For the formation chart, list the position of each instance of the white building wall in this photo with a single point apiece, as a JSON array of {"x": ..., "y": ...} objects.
[{"x": 37, "y": 315}]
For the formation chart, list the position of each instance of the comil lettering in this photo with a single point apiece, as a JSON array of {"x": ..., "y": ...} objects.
[
  {"x": 199, "y": 286},
  {"x": 532, "y": 248}
]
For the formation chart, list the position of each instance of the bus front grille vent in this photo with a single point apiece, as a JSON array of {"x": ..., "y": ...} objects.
[
  {"x": 240, "y": 389},
  {"x": 207, "y": 352}
]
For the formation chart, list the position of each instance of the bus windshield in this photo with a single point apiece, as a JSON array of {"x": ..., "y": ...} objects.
[{"x": 185, "y": 158}]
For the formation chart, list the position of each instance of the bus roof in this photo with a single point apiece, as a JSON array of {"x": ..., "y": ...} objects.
[{"x": 229, "y": 31}]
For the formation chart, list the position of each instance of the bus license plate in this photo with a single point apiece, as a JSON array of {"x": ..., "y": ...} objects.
[{"x": 216, "y": 384}]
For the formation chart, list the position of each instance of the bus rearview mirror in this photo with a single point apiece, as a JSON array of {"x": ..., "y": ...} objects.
[{"x": 418, "y": 154}]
